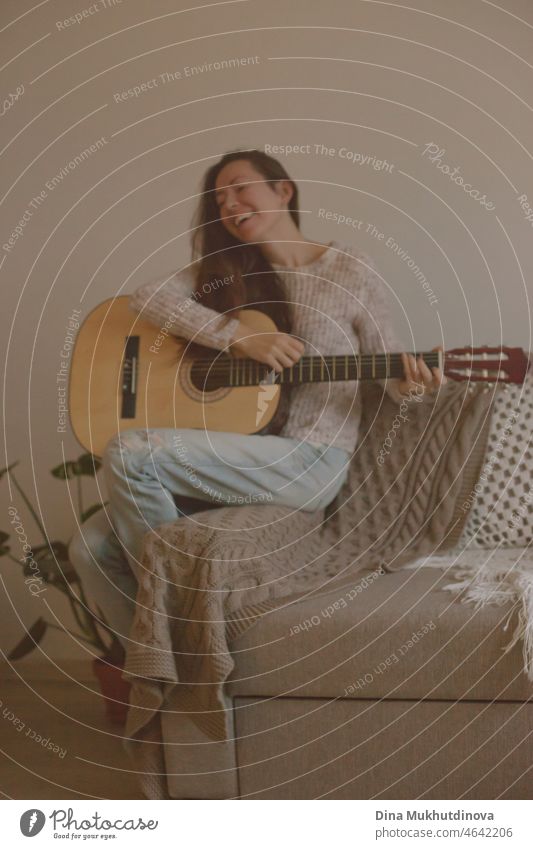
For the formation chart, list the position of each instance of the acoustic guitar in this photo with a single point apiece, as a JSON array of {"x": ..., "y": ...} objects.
[{"x": 127, "y": 374}]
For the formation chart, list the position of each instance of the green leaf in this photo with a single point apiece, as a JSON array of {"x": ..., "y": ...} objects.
[
  {"x": 65, "y": 471},
  {"x": 88, "y": 464},
  {"x": 64, "y": 572},
  {"x": 94, "y": 508},
  {"x": 7, "y": 468},
  {"x": 56, "y": 549},
  {"x": 54, "y": 563},
  {"x": 42, "y": 566},
  {"x": 60, "y": 549},
  {"x": 30, "y": 640},
  {"x": 4, "y": 549}
]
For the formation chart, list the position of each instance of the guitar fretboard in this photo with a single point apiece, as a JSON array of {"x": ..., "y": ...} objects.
[{"x": 235, "y": 371}]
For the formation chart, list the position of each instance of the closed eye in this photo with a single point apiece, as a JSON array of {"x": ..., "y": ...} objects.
[{"x": 237, "y": 187}]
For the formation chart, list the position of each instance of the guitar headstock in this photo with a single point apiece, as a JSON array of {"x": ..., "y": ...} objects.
[{"x": 491, "y": 365}]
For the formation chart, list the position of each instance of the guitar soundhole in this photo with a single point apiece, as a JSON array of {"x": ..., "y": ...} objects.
[
  {"x": 209, "y": 379},
  {"x": 201, "y": 386}
]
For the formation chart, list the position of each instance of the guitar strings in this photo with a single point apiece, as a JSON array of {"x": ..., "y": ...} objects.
[
  {"x": 305, "y": 363},
  {"x": 307, "y": 360},
  {"x": 224, "y": 366}
]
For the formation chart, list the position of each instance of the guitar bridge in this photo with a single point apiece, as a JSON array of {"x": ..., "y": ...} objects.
[{"x": 129, "y": 377}]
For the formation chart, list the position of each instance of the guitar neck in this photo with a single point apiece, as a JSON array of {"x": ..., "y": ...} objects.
[{"x": 229, "y": 371}]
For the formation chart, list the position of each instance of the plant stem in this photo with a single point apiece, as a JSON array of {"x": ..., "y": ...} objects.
[
  {"x": 64, "y": 587},
  {"x": 100, "y": 620},
  {"x": 108, "y": 629},
  {"x": 83, "y": 597},
  {"x": 80, "y": 502},
  {"x": 82, "y": 617},
  {"x": 85, "y": 604},
  {"x": 75, "y": 611},
  {"x": 30, "y": 507}
]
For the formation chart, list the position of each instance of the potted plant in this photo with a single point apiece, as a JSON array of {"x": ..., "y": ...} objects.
[{"x": 47, "y": 565}]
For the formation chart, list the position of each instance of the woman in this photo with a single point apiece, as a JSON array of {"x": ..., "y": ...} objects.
[{"x": 324, "y": 299}]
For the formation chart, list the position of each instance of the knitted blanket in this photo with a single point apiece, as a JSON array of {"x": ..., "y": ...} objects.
[
  {"x": 209, "y": 577},
  {"x": 492, "y": 562}
]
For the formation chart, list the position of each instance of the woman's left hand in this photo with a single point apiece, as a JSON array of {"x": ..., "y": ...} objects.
[{"x": 418, "y": 374}]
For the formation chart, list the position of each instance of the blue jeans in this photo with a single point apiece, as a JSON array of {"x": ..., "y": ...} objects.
[{"x": 149, "y": 473}]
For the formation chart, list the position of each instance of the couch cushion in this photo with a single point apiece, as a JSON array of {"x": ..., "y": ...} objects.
[
  {"x": 394, "y": 635},
  {"x": 500, "y": 505}
]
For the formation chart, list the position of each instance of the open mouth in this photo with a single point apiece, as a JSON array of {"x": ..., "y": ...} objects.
[{"x": 240, "y": 219}]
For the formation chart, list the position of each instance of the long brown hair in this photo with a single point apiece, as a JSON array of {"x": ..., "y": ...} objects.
[{"x": 218, "y": 254}]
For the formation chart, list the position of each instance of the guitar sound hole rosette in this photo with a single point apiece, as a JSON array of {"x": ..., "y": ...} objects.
[{"x": 193, "y": 391}]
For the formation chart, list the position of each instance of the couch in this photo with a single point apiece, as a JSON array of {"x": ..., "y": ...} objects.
[
  {"x": 358, "y": 707},
  {"x": 382, "y": 686}
]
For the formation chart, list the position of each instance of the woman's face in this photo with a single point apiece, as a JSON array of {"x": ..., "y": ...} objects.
[{"x": 251, "y": 208}]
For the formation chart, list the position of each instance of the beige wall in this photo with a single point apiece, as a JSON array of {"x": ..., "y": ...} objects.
[{"x": 370, "y": 78}]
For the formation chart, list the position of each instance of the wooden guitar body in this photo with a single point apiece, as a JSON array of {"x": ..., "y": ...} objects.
[{"x": 127, "y": 373}]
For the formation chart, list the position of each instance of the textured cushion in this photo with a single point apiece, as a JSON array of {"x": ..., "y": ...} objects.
[
  {"x": 500, "y": 508},
  {"x": 361, "y": 641}
]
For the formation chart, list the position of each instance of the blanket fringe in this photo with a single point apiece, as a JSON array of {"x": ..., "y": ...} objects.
[{"x": 499, "y": 584}]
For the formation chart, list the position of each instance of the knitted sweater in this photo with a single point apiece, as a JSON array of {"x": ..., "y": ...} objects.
[{"x": 339, "y": 307}]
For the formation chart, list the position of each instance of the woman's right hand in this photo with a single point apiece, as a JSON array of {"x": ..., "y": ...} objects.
[{"x": 277, "y": 350}]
